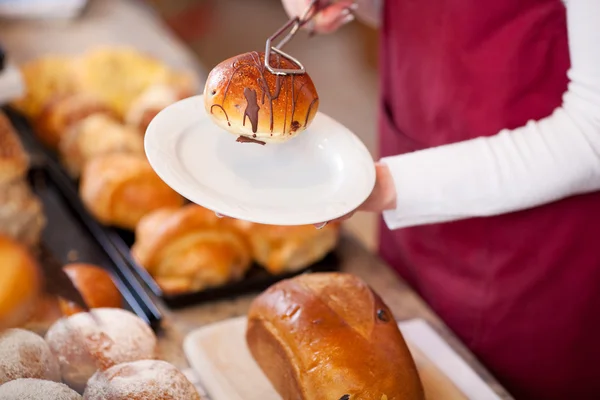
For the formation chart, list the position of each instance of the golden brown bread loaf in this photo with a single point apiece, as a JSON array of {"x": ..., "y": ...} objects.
[
  {"x": 95, "y": 285},
  {"x": 20, "y": 283},
  {"x": 189, "y": 249},
  {"x": 95, "y": 135},
  {"x": 244, "y": 98},
  {"x": 288, "y": 248},
  {"x": 329, "y": 336},
  {"x": 14, "y": 161},
  {"x": 62, "y": 112},
  {"x": 119, "y": 189}
]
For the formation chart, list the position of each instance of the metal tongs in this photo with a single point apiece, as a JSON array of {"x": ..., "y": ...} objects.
[{"x": 296, "y": 23}]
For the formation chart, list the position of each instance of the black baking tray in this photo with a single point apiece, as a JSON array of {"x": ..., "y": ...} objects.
[
  {"x": 256, "y": 279},
  {"x": 69, "y": 240}
]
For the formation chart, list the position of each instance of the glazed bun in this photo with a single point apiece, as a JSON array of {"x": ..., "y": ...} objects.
[
  {"x": 24, "y": 354},
  {"x": 84, "y": 345},
  {"x": 244, "y": 98},
  {"x": 37, "y": 389},
  {"x": 141, "y": 380},
  {"x": 20, "y": 283},
  {"x": 95, "y": 285}
]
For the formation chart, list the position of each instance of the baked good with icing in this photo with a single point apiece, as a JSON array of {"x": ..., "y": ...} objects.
[
  {"x": 23, "y": 354},
  {"x": 288, "y": 248},
  {"x": 84, "y": 344},
  {"x": 96, "y": 286},
  {"x": 141, "y": 380},
  {"x": 244, "y": 98},
  {"x": 190, "y": 248},
  {"x": 98, "y": 134},
  {"x": 37, "y": 389},
  {"x": 120, "y": 188},
  {"x": 63, "y": 112},
  {"x": 20, "y": 283},
  {"x": 14, "y": 161},
  {"x": 329, "y": 336}
]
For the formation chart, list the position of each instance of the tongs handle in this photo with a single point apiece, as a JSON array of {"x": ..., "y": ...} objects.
[{"x": 295, "y": 23}]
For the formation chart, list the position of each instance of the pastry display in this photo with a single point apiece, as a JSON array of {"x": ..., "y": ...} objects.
[
  {"x": 14, "y": 162},
  {"x": 21, "y": 213},
  {"x": 37, "y": 389},
  {"x": 190, "y": 248},
  {"x": 95, "y": 285},
  {"x": 20, "y": 283},
  {"x": 96, "y": 135},
  {"x": 329, "y": 336},
  {"x": 289, "y": 248},
  {"x": 23, "y": 354},
  {"x": 119, "y": 189},
  {"x": 62, "y": 112},
  {"x": 141, "y": 380},
  {"x": 84, "y": 344},
  {"x": 247, "y": 100}
]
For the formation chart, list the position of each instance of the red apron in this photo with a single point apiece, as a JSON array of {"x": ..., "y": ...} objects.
[{"x": 522, "y": 290}]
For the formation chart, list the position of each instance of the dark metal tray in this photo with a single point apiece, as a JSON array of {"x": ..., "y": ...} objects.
[
  {"x": 256, "y": 279},
  {"x": 69, "y": 240}
]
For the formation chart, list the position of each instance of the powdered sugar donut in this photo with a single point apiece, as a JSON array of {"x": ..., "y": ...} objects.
[
  {"x": 36, "y": 389},
  {"x": 84, "y": 344},
  {"x": 23, "y": 354},
  {"x": 141, "y": 380}
]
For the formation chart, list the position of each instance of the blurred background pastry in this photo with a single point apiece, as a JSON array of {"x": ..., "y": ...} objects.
[
  {"x": 95, "y": 285},
  {"x": 189, "y": 249},
  {"x": 37, "y": 389},
  {"x": 62, "y": 112},
  {"x": 95, "y": 135},
  {"x": 23, "y": 354},
  {"x": 84, "y": 344},
  {"x": 119, "y": 189},
  {"x": 141, "y": 380},
  {"x": 288, "y": 248},
  {"x": 21, "y": 213},
  {"x": 20, "y": 283},
  {"x": 14, "y": 162}
]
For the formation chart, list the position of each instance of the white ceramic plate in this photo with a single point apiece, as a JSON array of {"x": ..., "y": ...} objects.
[{"x": 323, "y": 173}]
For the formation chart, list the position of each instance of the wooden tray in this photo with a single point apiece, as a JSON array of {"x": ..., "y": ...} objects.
[{"x": 225, "y": 369}]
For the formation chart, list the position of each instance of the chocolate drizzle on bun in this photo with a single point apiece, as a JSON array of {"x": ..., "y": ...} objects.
[{"x": 247, "y": 100}]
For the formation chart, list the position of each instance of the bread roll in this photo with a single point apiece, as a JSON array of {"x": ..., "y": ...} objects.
[
  {"x": 21, "y": 213},
  {"x": 24, "y": 354},
  {"x": 151, "y": 102},
  {"x": 36, "y": 389},
  {"x": 96, "y": 135},
  {"x": 14, "y": 162},
  {"x": 63, "y": 112},
  {"x": 141, "y": 380},
  {"x": 20, "y": 283},
  {"x": 288, "y": 248},
  {"x": 84, "y": 344},
  {"x": 189, "y": 249},
  {"x": 244, "y": 98},
  {"x": 119, "y": 189},
  {"x": 329, "y": 336},
  {"x": 47, "y": 312},
  {"x": 95, "y": 285}
]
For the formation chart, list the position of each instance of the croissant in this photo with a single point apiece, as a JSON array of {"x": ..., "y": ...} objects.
[
  {"x": 189, "y": 249},
  {"x": 64, "y": 111},
  {"x": 96, "y": 135},
  {"x": 120, "y": 188},
  {"x": 288, "y": 248}
]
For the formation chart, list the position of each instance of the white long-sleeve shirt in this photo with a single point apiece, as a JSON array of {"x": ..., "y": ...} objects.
[{"x": 543, "y": 161}]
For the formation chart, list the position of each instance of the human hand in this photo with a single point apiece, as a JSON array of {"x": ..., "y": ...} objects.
[
  {"x": 330, "y": 19},
  {"x": 382, "y": 198}
]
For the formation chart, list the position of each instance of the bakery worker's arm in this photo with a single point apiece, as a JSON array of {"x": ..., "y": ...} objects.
[{"x": 541, "y": 162}]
